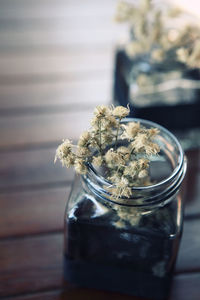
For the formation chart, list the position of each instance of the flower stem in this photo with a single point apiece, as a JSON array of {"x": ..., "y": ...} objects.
[
  {"x": 100, "y": 145},
  {"x": 116, "y": 137}
]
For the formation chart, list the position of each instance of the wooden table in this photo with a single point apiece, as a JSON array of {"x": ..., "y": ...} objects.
[{"x": 56, "y": 61}]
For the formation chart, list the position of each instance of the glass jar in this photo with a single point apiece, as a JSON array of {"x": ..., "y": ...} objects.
[
  {"x": 165, "y": 92},
  {"x": 127, "y": 245}
]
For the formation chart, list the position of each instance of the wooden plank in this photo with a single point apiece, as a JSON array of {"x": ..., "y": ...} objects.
[
  {"x": 188, "y": 258},
  {"x": 185, "y": 286},
  {"x": 48, "y": 8},
  {"x": 55, "y": 22},
  {"x": 64, "y": 64},
  {"x": 192, "y": 184},
  {"x": 31, "y": 169},
  {"x": 192, "y": 194},
  {"x": 60, "y": 37},
  {"x": 51, "y": 94},
  {"x": 30, "y": 264},
  {"x": 52, "y": 77},
  {"x": 35, "y": 212},
  {"x": 35, "y": 264},
  {"x": 18, "y": 131},
  {"x": 78, "y": 294}
]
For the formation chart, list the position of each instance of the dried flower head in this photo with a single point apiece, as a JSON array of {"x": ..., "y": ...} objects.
[
  {"x": 101, "y": 111},
  {"x": 113, "y": 158},
  {"x": 63, "y": 151},
  {"x": 97, "y": 161},
  {"x": 121, "y": 188},
  {"x": 121, "y": 112},
  {"x": 151, "y": 34},
  {"x": 142, "y": 143},
  {"x": 114, "y": 147},
  {"x": 124, "y": 11},
  {"x": 158, "y": 55},
  {"x": 80, "y": 166},
  {"x": 84, "y": 139},
  {"x": 131, "y": 130}
]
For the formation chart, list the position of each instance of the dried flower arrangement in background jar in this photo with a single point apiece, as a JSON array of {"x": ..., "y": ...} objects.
[
  {"x": 124, "y": 216},
  {"x": 158, "y": 70}
]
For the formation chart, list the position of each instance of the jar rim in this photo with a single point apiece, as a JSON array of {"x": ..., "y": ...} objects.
[{"x": 174, "y": 179}]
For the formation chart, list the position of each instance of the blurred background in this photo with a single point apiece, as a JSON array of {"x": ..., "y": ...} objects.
[{"x": 55, "y": 57}]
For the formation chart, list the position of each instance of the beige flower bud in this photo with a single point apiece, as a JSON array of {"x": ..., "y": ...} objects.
[
  {"x": 121, "y": 112},
  {"x": 80, "y": 166}
]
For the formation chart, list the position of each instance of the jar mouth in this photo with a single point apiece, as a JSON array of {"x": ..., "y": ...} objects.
[{"x": 143, "y": 195}]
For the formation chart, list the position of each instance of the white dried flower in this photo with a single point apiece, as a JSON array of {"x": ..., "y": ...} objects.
[
  {"x": 143, "y": 163},
  {"x": 173, "y": 35},
  {"x": 175, "y": 12},
  {"x": 122, "y": 166},
  {"x": 158, "y": 55},
  {"x": 123, "y": 12},
  {"x": 194, "y": 59},
  {"x": 83, "y": 152},
  {"x": 182, "y": 54},
  {"x": 69, "y": 160},
  {"x": 134, "y": 48},
  {"x": 121, "y": 112},
  {"x": 111, "y": 122},
  {"x": 80, "y": 166},
  {"x": 151, "y": 34},
  {"x": 142, "y": 174},
  {"x": 124, "y": 152},
  {"x": 121, "y": 188},
  {"x": 63, "y": 150},
  {"x": 106, "y": 139},
  {"x": 152, "y": 132},
  {"x": 131, "y": 169},
  {"x": 131, "y": 130},
  {"x": 84, "y": 139},
  {"x": 144, "y": 80},
  {"x": 113, "y": 159},
  {"x": 143, "y": 144},
  {"x": 97, "y": 161},
  {"x": 146, "y": 5},
  {"x": 102, "y": 111}
]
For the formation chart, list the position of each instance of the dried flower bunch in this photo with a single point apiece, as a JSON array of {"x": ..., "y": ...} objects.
[
  {"x": 151, "y": 33},
  {"x": 123, "y": 151}
]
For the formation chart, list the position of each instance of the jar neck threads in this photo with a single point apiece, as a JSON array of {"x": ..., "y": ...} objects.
[{"x": 172, "y": 160}]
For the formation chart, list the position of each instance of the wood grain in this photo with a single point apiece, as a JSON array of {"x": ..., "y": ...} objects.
[
  {"x": 188, "y": 260},
  {"x": 185, "y": 287},
  {"x": 30, "y": 264},
  {"x": 22, "y": 9},
  {"x": 64, "y": 64},
  {"x": 35, "y": 212},
  {"x": 31, "y": 168},
  {"x": 17, "y": 130},
  {"x": 51, "y": 95},
  {"x": 60, "y": 37},
  {"x": 78, "y": 294}
]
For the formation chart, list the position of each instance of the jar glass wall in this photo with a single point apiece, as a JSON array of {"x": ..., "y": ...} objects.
[{"x": 127, "y": 245}]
